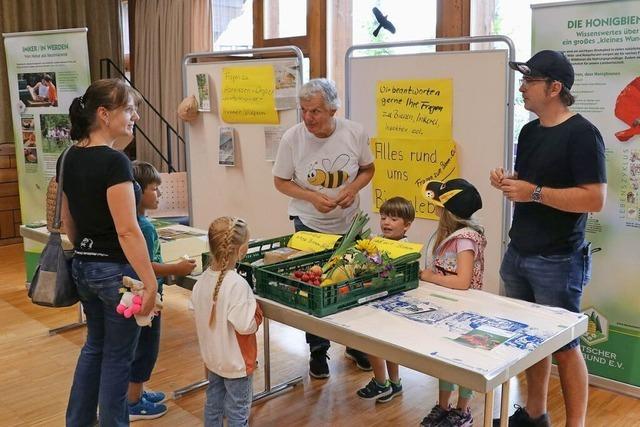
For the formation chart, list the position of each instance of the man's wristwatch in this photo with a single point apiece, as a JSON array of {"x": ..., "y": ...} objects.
[{"x": 536, "y": 196}]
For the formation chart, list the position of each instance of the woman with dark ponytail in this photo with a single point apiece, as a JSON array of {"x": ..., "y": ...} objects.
[{"x": 99, "y": 213}]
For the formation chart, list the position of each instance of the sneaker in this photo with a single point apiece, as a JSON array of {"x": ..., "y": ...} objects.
[
  {"x": 521, "y": 418},
  {"x": 154, "y": 396},
  {"x": 437, "y": 414},
  {"x": 373, "y": 390},
  {"x": 318, "y": 367},
  {"x": 396, "y": 390},
  {"x": 144, "y": 410},
  {"x": 457, "y": 418},
  {"x": 361, "y": 359}
]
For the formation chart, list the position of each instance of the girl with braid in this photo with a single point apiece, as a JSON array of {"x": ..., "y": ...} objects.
[{"x": 227, "y": 317}]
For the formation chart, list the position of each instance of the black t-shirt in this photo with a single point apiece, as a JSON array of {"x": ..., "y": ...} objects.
[
  {"x": 567, "y": 155},
  {"x": 88, "y": 173}
]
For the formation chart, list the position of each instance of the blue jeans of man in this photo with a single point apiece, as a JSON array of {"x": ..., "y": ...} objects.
[
  {"x": 228, "y": 397},
  {"x": 102, "y": 373},
  {"x": 315, "y": 342},
  {"x": 554, "y": 280}
]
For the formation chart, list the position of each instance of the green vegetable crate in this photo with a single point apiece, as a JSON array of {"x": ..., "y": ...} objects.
[
  {"x": 256, "y": 252},
  {"x": 275, "y": 282}
]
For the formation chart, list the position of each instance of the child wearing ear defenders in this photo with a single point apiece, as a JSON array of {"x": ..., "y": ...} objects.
[{"x": 457, "y": 262}]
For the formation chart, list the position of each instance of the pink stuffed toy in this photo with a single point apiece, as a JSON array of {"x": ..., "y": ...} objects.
[{"x": 131, "y": 302}]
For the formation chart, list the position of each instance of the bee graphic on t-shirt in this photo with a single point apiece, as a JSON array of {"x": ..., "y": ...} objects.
[{"x": 330, "y": 175}]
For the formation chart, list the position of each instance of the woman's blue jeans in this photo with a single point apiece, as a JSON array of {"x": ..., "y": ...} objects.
[{"x": 102, "y": 374}]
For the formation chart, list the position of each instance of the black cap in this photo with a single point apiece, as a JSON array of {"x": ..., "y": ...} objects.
[
  {"x": 547, "y": 63},
  {"x": 458, "y": 196}
]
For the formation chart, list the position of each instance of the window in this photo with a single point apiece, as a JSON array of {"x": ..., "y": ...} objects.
[
  {"x": 232, "y": 24},
  {"x": 284, "y": 18},
  {"x": 512, "y": 19},
  {"x": 414, "y": 21},
  {"x": 352, "y": 22}
]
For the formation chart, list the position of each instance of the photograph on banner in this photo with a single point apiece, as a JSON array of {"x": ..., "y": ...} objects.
[
  {"x": 602, "y": 41},
  {"x": 31, "y": 159},
  {"x": 248, "y": 95},
  {"x": 38, "y": 89},
  {"x": 55, "y": 130},
  {"x": 404, "y": 166},
  {"x": 26, "y": 122},
  {"x": 28, "y": 139},
  {"x": 420, "y": 109}
]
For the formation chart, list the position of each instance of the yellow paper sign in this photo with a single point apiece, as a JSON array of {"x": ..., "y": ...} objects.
[
  {"x": 312, "y": 242},
  {"x": 420, "y": 109},
  {"x": 248, "y": 95},
  {"x": 396, "y": 248},
  {"x": 403, "y": 166}
]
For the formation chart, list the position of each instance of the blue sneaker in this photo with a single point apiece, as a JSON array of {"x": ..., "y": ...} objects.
[
  {"x": 154, "y": 396},
  {"x": 143, "y": 410}
]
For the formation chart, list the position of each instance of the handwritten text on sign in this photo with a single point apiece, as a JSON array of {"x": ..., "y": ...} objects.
[
  {"x": 403, "y": 166},
  {"x": 312, "y": 242},
  {"x": 248, "y": 95},
  {"x": 419, "y": 109},
  {"x": 396, "y": 248}
]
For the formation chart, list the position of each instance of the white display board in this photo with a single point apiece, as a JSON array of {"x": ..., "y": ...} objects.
[
  {"x": 246, "y": 189},
  {"x": 480, "y": 127}
]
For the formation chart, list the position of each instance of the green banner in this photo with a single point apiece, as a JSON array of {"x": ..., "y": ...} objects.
[
  {"x": 602, "y": 40},
  {"x": 46, "y": 70}
]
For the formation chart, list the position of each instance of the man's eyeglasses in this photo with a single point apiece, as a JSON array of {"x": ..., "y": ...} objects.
[{"x": 526, "y": 81}]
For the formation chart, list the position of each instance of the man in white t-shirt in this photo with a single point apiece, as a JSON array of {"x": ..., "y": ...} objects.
[{"x": 322, "y": 164}]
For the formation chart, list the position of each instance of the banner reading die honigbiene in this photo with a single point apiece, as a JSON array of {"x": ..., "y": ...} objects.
[{"x": 602, "y": 40}]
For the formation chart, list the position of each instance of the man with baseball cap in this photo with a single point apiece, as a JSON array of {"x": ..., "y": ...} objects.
[{"x": 559, "y": 178}]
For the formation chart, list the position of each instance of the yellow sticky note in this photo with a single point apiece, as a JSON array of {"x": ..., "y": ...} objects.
[
  {"x": 403, "y": 166},
  {"x": 420, "y": 109},
  {"x": 396, "y": 248},
  {"x": 312, "y": 242},
  {"x": 248, "y": 95}
]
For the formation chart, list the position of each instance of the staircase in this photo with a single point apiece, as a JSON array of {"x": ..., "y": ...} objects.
[
  {"x": 174, "y": 202},
  {"x": 108, "y": 69}
]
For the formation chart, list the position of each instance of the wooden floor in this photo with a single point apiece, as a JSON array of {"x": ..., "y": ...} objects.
[{"x": 36, "y": 371}]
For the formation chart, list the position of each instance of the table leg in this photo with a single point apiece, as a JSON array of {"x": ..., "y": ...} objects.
[
  {"x": 268, "y": 392},
  {"x": 504, "y": 405},
  {"x": 81, "y": 322},
  {"x": 488, "y": 409},
  {"x": 177, "y": 394}
]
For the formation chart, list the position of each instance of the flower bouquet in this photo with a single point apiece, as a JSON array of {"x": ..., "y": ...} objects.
[{"x": 357, "y": 255}]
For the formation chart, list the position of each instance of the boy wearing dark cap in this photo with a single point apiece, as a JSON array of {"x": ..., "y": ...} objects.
[{"x": 559, "y": 177}]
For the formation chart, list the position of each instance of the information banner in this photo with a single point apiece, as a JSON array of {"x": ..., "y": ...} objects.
[
  {"x": 46, "y": 71},
  {"x": 602, "y": 40}
]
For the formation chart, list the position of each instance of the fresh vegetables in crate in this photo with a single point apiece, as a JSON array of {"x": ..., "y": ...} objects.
[
  {"x": 358, "y": 271},
  {"x": 356, "y": 256}
]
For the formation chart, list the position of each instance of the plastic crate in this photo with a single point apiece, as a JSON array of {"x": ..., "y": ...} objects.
[
  {"x": 256, "y": 252},
  {"x": 275, "y": 282}
]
